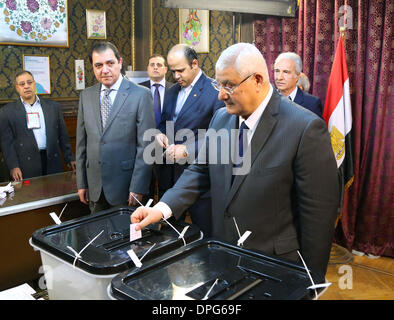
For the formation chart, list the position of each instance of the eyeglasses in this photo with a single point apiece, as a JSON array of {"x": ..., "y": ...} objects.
[
  {"x": 28, "y": 82},
  {"x": 229, "y": 90}
]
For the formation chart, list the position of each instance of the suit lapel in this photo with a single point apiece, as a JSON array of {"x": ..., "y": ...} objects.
[
  {"x": 299, "y": 98},
  {"x": 264, "y": 128},
  {"x": 21, "y": 114},
  {"x": 229, "y": 167},
  {"x": 118, "y": 103},
  {"x": 191, "y": 99}
]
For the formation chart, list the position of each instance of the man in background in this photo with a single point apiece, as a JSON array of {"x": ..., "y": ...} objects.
[
  {"x": 33, "y": 133},
  {"x": 287, "y": 71},
  {"x": 112, "y": 118},
  {"x": 157, "y": 83},
  {"x": 189, "y": 104}
]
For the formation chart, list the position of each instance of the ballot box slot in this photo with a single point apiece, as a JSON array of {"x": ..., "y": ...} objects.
[
  {"x": 119, "y": 240},
  {"x": 230, "y": 285}
]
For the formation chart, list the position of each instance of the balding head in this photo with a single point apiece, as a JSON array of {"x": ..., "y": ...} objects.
[{"x": 245, "y": 58}]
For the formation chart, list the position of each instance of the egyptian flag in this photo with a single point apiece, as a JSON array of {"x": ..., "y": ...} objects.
[{"x": 338, "y": 116}]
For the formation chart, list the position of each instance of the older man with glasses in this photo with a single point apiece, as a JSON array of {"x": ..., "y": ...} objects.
[
  {"x": 33, "y": 132},
  {"x": 289, "y": 197}
]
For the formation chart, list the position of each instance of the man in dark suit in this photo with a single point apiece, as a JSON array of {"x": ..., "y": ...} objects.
[
  {"x": 287, "y": 71},
  {"x": 287, "y": 194},
  {"x": 33, "y": 132},
  {"x": 112, "y": 118},
  {"x": 157, "y": 83},
  {"x": 188, "y": 106}
]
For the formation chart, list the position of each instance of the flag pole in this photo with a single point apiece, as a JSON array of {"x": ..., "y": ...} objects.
[{"x": 339, "y": 254}]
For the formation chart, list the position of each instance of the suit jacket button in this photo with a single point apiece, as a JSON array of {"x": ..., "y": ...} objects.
[{"x": 28, "y": 158}]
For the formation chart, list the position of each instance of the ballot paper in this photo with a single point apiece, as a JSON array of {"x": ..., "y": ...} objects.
[
  {"x": 22, "y": 292},
  {"x": 134, "y": 235},
  {"x": 4, "y": 190}
]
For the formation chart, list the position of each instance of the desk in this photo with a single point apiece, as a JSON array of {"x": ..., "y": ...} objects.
[{"x": 26, "y": 211}]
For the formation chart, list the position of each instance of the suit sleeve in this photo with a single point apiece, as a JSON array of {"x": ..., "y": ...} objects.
[
  {"x": 193, "y": 183},
  {"x": 317, "y": 195},
  {"x": 8, "y": 141},
  {"x": 142, "y": 172},
  {"x": 82, "y": 182},
  {"x": 64, "y": 140}
]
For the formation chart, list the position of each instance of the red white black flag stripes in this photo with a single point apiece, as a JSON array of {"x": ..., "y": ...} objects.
[{"x": 338, "y": 115}]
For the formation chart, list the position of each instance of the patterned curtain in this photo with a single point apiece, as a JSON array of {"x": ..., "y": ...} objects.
[{"x": 368, "y": 212}]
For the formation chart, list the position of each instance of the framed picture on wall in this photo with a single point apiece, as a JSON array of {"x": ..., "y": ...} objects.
[
  {"x": 39, "y": 66},
  {"x": 194, "y": 29},
  {"x": 34, "y": 23},
  {"x": 95, "y": 24}
]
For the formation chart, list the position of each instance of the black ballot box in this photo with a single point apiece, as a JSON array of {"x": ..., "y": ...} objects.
[
  {"x": 81, "y": 256},
  {"x": 213, "y": 270}
]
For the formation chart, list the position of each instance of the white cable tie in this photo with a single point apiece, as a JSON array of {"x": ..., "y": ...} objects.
[
  {"x": 236, "y": 225},
  {"x": 307, "y": 270},
  {"x": 184, "y": 242},
  {"x": 62, "y": 211},
  {"x": 210, "y": 289},
  {"x": 78, "y": 254},
  {"x": 243, "y": 238},
  {"x": 147, "y": 251},
  {"x": 55, "y": 218},
  {"x": 134, "y": 258},
  {"x": 320, "y": 285},
  {"x": 136, "y": 199},
  {"x": 149, "y": 203}
]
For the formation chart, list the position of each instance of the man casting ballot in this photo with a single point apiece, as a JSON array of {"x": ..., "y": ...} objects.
[{"x": 289, "y": 198}]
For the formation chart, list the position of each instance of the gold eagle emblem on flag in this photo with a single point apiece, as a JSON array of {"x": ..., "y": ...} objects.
[{"x": 337, "y": 142}]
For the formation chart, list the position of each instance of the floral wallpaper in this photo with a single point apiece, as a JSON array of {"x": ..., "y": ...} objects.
[{"x": 62, "y": 59}]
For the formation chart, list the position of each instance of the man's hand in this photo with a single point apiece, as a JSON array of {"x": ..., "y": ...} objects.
[
  {"x": 83, "y": 195},
  {"x": 162, "y": 140},
  {"x": 176, "y": 152},
  {"x": 145, "y": 216},
  {"x": 16, "y": 174},
  {"x": 132, "y": 201},
  {"x": 72, "y": 165}
]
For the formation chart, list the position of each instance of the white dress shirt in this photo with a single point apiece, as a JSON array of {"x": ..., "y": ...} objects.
[
  {"x": 39, "y": 133},
  {"x": 183, "y": 94},
  {"x": 293, "y": 94},
  {"x": 162, "y": 89},
  {"x": 114, "y": 88}
]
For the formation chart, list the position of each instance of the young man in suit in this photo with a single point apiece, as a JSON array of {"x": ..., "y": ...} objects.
[
  {"x": 157, "y": 83},
  {"x": 287, "y": 72},
  {"x": 32, "y": 132},
  {"x": 112, "y": 118},
  {"x": 288, "y": 197},
  {"x": 188, "y": 106}
]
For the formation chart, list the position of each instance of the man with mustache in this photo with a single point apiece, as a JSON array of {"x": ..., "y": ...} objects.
[
  {"x": 112, "y": 118},
  {"x": 33, "y": 132}
]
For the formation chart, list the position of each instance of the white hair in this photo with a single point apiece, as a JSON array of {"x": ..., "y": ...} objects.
[
  {"x": 291, "y": 56},
  {"x": 245, "y": 58}
]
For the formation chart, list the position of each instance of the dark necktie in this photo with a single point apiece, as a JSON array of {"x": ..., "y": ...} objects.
[
  {"x": 242, "y": 139},
  {"x": 290, "y": 98},
  {"x": 157, "y": 104},
  {"x": 105, "y": 106},
  {"x": 242, "y": 145}
]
